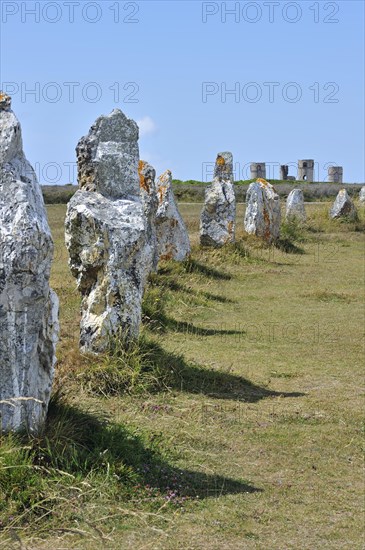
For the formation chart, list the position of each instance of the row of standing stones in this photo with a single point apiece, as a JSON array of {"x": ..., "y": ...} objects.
[
  {"x": 263, "y": 211},
  {"x": 118, "y": 225}
]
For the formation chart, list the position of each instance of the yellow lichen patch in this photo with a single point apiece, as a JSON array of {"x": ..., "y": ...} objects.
[{"x": 220, "y": 160}]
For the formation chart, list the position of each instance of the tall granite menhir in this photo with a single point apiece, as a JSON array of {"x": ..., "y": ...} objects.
[
  {"x": 218, "y": 217},
  {"x": 106, "y": 233},
  {"x": 28, "y": 307}
]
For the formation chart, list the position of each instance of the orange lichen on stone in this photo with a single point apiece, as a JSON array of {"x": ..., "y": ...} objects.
[
  {"x": 261, "y": 180},
  {"x": 142, "y": 180},
  {"x": 161, "y": 192},
  {"x": 166, "y": 257},
  {"x": 220, "y": 160},
  {"x": 169, "y": 253},
  {"x": 5, "y": 100}
]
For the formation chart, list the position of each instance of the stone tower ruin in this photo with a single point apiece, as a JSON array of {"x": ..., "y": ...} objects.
[
  {"x": 284, "y": 171},
  {"x": 335, "y": 174},
  {"x": 306, "y": 170},
  {"x": 258, "y": 170}
]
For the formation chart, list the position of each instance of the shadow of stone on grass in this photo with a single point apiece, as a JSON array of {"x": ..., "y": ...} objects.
[{"x": 81, "y": 442}]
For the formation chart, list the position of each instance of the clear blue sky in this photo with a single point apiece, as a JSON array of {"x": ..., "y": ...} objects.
[{"x": 270, "y": 53}]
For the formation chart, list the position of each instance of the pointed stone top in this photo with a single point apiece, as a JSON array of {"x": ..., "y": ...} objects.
[
  {"x": 166, "y": 177},
  {"x": 5, "y": 102},
  {"x": 11, "y": 145}
]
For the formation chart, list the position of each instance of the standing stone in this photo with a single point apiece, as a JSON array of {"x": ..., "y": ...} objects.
[
  {"x": 106, "y": 233},
  {"x": 147, "y": 175},
  {"x": 263, "y": 216},
  {"x": 28, "y": 307},
  {"x": 362, "y": 194},
  {"x": 295, "y": 206},
  {"x": 218, "y": 217},
  {"x": 172, "y": 236},
  {"x": 343, "y": 206}
]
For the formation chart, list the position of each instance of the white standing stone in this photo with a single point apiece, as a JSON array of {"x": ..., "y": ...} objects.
[
  {"x": 295, "y": 209},
  {"x": 172, "y": 236},
  {"x": 263, "y": 215},
  {"x": 218, "y": 217},
  {"x": 362, "y": 194},
  {"x": 28, "y": 307},
  {"x": 106, "y": 233},
  {"x": 343, "y": 206},
  {"x": 147, "y": 175}
]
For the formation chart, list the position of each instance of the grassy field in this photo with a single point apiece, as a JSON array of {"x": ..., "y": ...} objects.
[{"x": 236, "y": 422}]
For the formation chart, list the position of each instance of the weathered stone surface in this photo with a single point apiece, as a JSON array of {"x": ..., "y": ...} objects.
[
  {"x": 147, "y": 175},
  {"x": 343, "y": 206},
  {"x": 172, "y": 236},
  {"x": 218, "y": 217},
  {"x": 106, "y": 233},
  {"x": 263, "y": 216},
  {"x": 28, "y": 307},
  {"x": 362, "y": 194},
  {"x": 295, "y": 209},
  {"x": 107, "y": 157}
]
